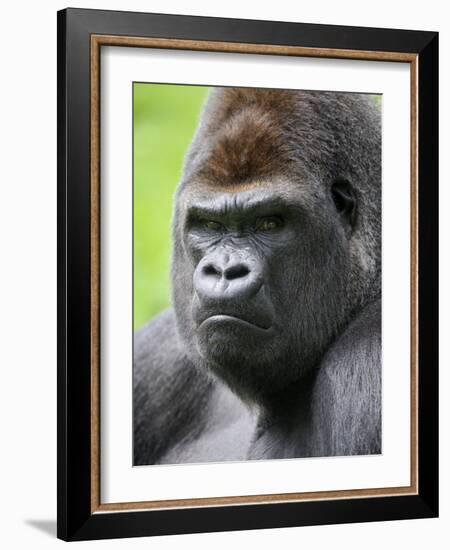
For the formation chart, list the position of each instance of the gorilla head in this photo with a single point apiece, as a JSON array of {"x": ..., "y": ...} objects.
[{"x": 277, "y": 232}]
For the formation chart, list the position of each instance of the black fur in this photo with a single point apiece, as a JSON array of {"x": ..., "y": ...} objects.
[{"x": 273, "y": 348}]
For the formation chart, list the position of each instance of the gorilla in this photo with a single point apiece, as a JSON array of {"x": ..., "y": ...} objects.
[{"x": 273, "y": 346}]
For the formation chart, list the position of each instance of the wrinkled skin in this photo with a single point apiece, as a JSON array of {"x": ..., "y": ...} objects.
[{"x": 273, "y": 347}]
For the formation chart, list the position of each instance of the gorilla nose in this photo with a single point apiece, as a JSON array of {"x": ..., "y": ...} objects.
[
  {"x": 222, "y": 277},
  {"x": 229, "y": 273}
]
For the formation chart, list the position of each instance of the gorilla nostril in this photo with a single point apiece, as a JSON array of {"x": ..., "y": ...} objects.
[
  {"x": 210, "y": 269},
  {"x": 236, "y": 272}
]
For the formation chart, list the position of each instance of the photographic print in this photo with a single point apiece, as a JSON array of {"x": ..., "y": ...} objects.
[{"x": 257, "y": 274}]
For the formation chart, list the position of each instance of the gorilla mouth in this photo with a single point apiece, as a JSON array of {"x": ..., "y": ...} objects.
[{"x": 226, "y": 318}]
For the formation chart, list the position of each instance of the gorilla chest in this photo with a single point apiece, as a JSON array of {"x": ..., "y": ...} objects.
[
  {"x": 216, "y": 444},
  {"x": 224, "y": 431},
  {"x": 227, "y": 429}
]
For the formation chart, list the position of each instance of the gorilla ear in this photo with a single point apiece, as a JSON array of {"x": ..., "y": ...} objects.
[{"x": 344, "y": 200}]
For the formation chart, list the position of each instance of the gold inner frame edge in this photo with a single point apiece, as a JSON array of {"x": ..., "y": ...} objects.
[{"x": 231, "y": 47}]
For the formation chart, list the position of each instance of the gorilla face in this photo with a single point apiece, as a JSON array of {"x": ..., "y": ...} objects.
[
  {"x": 267, "y": 267},
  {"x": 268, "y": 256}
]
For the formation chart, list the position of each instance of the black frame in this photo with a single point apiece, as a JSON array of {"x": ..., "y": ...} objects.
[{"x": 75, "y": 521}]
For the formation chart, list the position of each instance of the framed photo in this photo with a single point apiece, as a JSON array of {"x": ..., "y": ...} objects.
[{"x": 247, "y": 286}]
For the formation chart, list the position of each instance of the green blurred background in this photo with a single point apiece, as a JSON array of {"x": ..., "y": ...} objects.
[{"x": 165, "y": 119}]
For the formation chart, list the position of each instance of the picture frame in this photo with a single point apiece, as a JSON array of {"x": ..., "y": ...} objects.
[{"x": 81, "y": 36}]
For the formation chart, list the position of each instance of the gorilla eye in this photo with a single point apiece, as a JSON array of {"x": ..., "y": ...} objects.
[
  {"x": 212, "y": 225},
  {"x": 270, "y": 223},
  {"x": 344, "y": 200}
]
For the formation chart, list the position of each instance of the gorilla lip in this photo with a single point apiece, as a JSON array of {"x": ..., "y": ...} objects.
[{"x": 217, "y": 318}]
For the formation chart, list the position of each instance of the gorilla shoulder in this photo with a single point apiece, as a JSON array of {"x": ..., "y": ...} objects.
[
  {"x": 169, "y": 391},
  {"x": 346, "y": 399}
]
